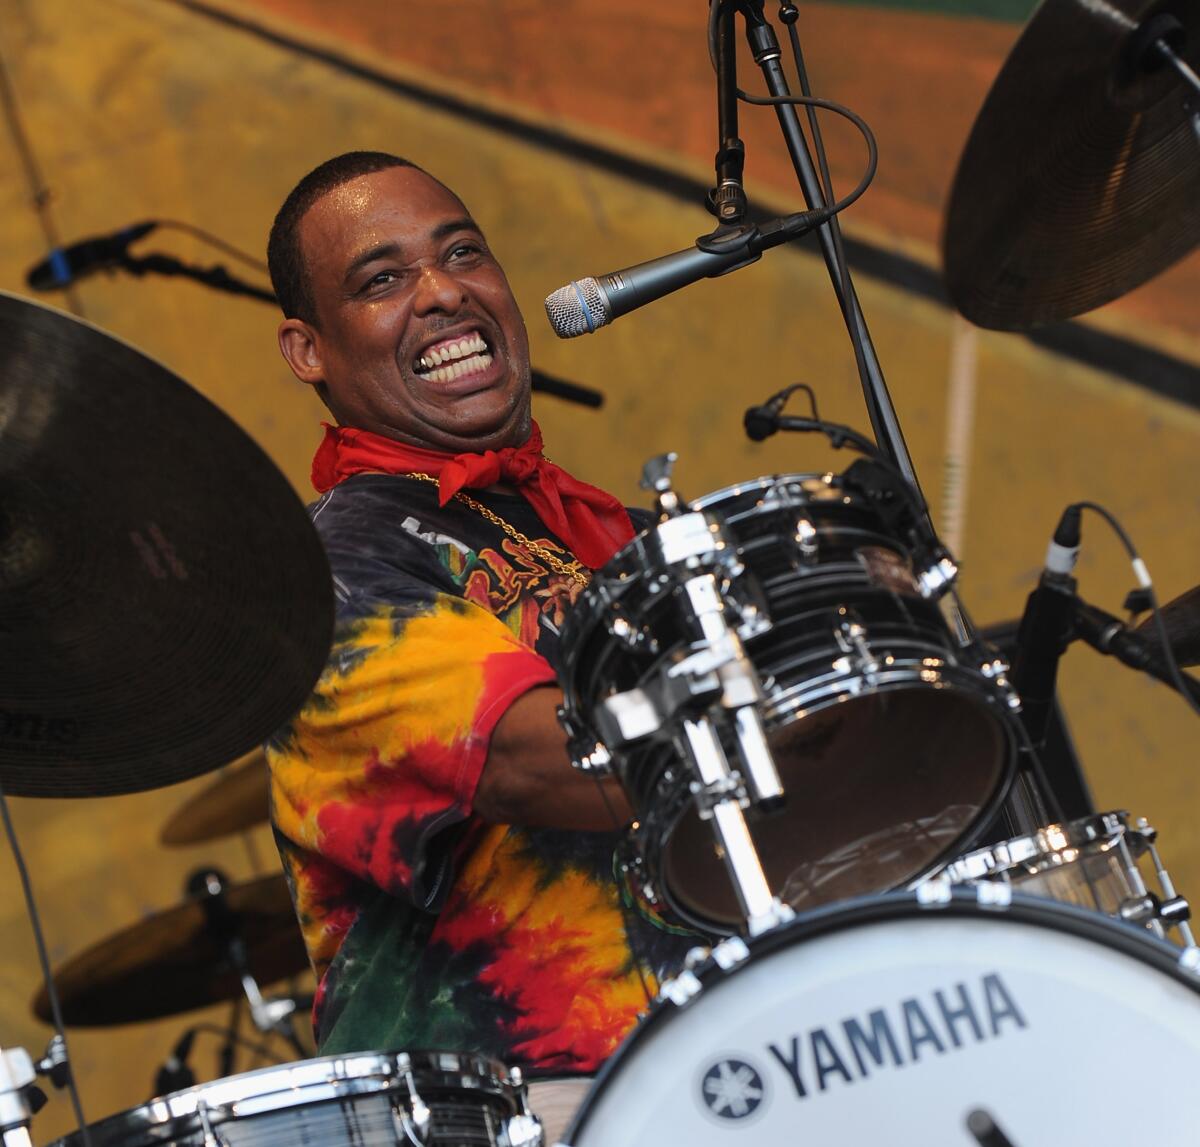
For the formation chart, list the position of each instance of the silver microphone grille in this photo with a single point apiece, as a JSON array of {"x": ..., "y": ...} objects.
[{"x": 577, "y": 309}]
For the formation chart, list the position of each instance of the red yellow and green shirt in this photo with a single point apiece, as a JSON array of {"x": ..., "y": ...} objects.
[{"x": 427, "y": 927}]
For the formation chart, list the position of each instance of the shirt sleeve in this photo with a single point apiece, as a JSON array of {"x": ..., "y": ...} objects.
[{"x": 383, "y": 761}]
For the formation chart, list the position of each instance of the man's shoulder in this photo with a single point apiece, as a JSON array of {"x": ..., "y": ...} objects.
[{"x": 375, "y": 525}]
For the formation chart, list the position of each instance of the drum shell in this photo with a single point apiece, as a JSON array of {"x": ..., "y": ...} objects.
[
  {"x": 855, "y": 568},
  {"x": 351, "y": 1100}
]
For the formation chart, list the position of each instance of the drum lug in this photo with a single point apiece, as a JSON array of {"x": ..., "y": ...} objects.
[
  {"x": 807, "y": 540},
  {"x": 851, "y": 637},
  {"x": 633, "y": 869},
  {"x": 587, "y": 755},
  {"x": 211, "y": 1138},
  {"x": 936, "y": 579},
  {"x": 523, "y": 1129},
  {"x": 730, "y": 953},
  {"x": 1189, "y": 961},
  {"x": 681, "y": 989},
  {"x": 630, "y": 635},
  {"x": 996, "y": 671},
  {"x": 416, "y": 1121},
  {"x": 596, "y": 761}
]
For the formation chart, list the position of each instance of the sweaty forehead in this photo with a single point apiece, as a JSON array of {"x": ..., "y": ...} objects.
[{"x": 400, "y": 205}]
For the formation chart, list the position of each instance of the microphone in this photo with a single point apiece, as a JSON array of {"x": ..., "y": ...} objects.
[
  {"x": 175, "y": 1075},
  {"x": 760, "y": 422},
  {"x": 66, "y": 264},
  {"x": 1111, "y": 635},
  {"x": 586, "y": 305},
  {"x": 1047, "y": 627}
]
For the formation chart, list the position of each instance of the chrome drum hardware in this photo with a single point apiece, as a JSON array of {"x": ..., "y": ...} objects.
[
  {"x": 770, "y": 674},
  {"x": 391, "y": 1099}
]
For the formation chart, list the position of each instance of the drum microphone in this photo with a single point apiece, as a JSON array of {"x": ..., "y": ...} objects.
[
  {"x": 1047, "y": 627},
  {"x": 66, "y": 264},
  {"x": 1111, "y": 635},
  {"x": 586, "y": 305}
]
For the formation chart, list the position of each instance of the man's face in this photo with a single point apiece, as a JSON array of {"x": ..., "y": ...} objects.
[{"x": 418, "y": 336}]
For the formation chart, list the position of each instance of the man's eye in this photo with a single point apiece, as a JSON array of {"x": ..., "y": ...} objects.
[
  {"x": 381, "y": 277},
  {"x": 465, "y": 250}
]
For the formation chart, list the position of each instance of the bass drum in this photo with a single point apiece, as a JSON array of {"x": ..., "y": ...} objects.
[
  {"x": 394, "y": 1099},
  {"x": 891, "y": 1020}
]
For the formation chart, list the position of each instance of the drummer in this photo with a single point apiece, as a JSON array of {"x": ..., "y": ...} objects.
[{"x": 453, "y": 875}]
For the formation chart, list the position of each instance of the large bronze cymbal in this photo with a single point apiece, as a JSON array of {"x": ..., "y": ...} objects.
[
  {"x": 170, "y": 962},
  {"x": 1081, "y": 177},
  {"x": 165, "y": 604},
  {"x": 235, "y": 801}
]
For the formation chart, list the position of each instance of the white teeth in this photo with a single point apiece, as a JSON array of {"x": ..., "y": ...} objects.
[
  {"x": 473, "y": 365},
  {"x": 457, "y": 351}
]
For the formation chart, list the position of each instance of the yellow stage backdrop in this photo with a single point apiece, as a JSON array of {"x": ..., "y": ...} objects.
[{"x": 579, "y": 134}]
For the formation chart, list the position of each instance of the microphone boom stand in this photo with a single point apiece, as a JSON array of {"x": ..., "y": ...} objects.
[{"x": 764, "y": 47}]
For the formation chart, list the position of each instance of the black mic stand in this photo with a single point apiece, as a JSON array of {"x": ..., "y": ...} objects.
[
  {"x": 215, "y": 276},
  {"x": 270, "y": 1016},
  {"x": 767, "y": 54},
  {"x": 727, "y": 200}
]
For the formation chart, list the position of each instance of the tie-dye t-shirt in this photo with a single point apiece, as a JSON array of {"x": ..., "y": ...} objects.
[{"x": 427, "y": 927}]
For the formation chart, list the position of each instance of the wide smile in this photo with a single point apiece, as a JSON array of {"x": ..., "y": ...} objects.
[{"x": 460, "y": 357}]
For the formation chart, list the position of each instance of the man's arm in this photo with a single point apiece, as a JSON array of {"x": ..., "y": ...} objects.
[{"x": 528, "y": 779}]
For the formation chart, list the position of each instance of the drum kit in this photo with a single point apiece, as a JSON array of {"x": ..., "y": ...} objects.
[{"x": 918, "y": 933}]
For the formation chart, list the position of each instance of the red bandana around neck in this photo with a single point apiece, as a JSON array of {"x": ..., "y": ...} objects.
[{"x": 593, "y": 524}]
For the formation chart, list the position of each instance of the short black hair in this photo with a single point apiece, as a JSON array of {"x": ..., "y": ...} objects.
[{"x": 285, "y": 260}]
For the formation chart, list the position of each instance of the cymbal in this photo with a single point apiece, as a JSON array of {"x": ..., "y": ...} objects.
[
  {"x": 1081, "y": 176},
  {"x": 234, "y": 802},
  {"x": 169, "y": 963},
  {"x": 165, "y": 604},
  {"x": 1182, "y": 619}
]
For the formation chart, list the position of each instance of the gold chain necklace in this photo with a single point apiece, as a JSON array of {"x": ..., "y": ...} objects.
[{"x": 573, "y": 569}]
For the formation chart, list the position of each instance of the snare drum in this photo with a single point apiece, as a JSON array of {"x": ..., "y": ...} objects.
[
  {"x": 436, "y": 1099},
  {"x": 893, "y": 740},
  {"x": 890, "y": 1020},
  {"x": 1091, "y": 862}
]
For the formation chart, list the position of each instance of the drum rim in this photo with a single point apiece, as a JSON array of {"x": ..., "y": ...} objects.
[
  {"x": 667, "y": 817},
  {"x": 1096, "y": 833},
  {"x": 373, "y": 1073},
  {"x": 827, "y": 478},
  {"x": 1129, "y": 939}
]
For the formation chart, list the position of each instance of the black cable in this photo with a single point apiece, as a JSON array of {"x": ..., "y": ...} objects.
[
  {"x": 44, "y": 960},
  {"x": 214, "y": 241},
  {"x": 1143, "y": 576},
  {"x": 811, "y": 102}
]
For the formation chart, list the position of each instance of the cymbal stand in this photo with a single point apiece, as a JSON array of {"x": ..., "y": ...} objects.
[
  {"x": 19, "y": 1099},
  {"x": 1156, "y": 43},
  {"x": 269, "y": 1015}
]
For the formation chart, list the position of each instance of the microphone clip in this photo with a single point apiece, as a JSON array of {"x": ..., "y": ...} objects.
[{"x": 729, "y": 239}]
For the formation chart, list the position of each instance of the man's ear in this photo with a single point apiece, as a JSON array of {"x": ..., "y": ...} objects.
[{"x": 299, "y": 345}]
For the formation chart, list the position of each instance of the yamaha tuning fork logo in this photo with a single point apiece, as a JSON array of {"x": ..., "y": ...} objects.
[{"x": 732, "y": 1089}]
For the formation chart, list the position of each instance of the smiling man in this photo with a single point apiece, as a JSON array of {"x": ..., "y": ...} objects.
[{"x": 453, "y": 875}]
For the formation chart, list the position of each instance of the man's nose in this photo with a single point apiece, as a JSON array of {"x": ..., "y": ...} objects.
[{"x": 438, "y": 290}]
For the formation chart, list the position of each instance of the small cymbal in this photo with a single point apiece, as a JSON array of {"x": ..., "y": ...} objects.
[
  {"x": 165, "y": 603},
  {"x": 170, "y": 963},
  {"x": 1081, "y": 177},
  {"x": 1182, "y": 619},
  {"x": 234, "y": 802}
]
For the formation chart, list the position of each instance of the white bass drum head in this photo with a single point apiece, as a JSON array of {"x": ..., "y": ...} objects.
[{"x": 888, "y": 1022}]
